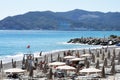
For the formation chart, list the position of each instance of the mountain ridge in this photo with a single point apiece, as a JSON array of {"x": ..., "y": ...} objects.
[{"x": 70, "y": 20}]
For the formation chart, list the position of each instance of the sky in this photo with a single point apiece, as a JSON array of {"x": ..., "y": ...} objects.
[{"x": 16, "y": 7}]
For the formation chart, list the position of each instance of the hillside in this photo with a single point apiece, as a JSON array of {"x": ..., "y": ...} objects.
[{"x": 70, "y": 20}]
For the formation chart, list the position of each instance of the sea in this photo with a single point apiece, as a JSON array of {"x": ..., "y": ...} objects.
[{"x": 13, "y": 43}]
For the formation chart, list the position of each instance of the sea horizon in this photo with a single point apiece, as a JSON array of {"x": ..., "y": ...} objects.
[{"x": 13, "y": 43}]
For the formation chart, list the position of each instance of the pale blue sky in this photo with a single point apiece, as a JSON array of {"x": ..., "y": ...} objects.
[{"x": 15, "y": 7}]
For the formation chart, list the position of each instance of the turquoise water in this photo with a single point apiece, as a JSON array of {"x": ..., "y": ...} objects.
[{"x": 15, "y": 42}]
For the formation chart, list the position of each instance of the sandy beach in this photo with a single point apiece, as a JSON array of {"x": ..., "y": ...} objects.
[{"x": 74, "y": 52}]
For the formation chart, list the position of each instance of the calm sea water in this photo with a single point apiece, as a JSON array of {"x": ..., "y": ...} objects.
[{"x": 13, "y": 43}]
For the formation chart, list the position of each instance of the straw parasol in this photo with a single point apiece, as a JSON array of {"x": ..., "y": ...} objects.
[
  {"x": 65, "y": 67},
  {"x": 114, "y": 55},
  {"x": 58, "y": 58},
  {"x": 77, "y": 59},
  {"x": 64, "y": 53},
  {"x": 97, "y": 64},
  {"x": 1, "y": 66},
  {"x": 40, "y": 53},
  {"x": 51, "y": 58},
  {"x": 69, "y": 57},
  {"x": 119, "y": 58},
  {"x": 85, "y": 61},
  {"x": 113, "y": 60},
  {"x": 105, "y": 62},
  {"x": 36, "y": 62},
  {"x": 90, "y": 70},
  {"x": 77, "y": 54},
  {"x": 93, "y": 57},
  {"x": 98, "y": 54},
  {"x": 108, "y": 54},
  {"x": 106, "y": 48},
  {"x": 85, "y": 55},
  {"x": 87, "y": 64},
  {"x": 84, "y": 51},
  {"x": 118, "y": 61},
  {"x": 23, "y": 61},
  {"x": 14, "y": 70},
  {"x": 103, "y": 56},
  {"x": 90, "y": 51},
  {"x": 100, "y": 51},
  {"x": 56, "y": 63},
  {"x": 103, "y": 72},
  {"x": 113, "y": 68},
  {"x": 12, "y": 63}
]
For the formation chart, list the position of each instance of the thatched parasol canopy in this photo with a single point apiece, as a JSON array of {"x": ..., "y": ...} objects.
[{"x": 14, "y": 70}]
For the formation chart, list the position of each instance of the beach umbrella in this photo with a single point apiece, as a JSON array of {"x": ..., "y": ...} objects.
[
  {"x": 106, "y": 48},
  {"x": 98, "y": 54},
  {"x": 50, "y": 73},
  {"x": 85, "y": 55},
  {"x": 77, "y": 59},
  {"x": 103, "y": 72},
  {"x": 90, "y": 70},
  {"x": 12, "y": 62},
  {"x": 64, "y": 53},
  {"x": 1, "y": 65},
  {"x": 77, "y": 54},
  {"x": 40, "y": 53},
  {"x": 90, "y": 51},
  {"x": 119, "y": 58},
  {"x": 97, "y": 64},
  {"x": 113, "y": 60},
  {"x": 58, "y": 58},
  {"x": 51, "y": 58},
  {"x": 113, "y": 68},
  {"x": 93, "y": 57},
  {"x": 103, "y": 56},
  {"x": 100, "y": 51},
  {"x": 23, "y": 61},
  {"x": 56, "y": 64},
  {"x": 14, "y": 70},
  {"x": 85, "y": 61},
  {"x": 46, "y": 59},
  {"x": 119, "y": 61},
  {"x": 65, "y": 67},
  {"x": 108, "y": 54},
  {"x": 87, "y": 64},
  {"x": 84, "y": 51},
  {"x": 36, "y": 62},
  {"x": 114, "y": 53},
  {"x": 69, "y": 57},
  {"x": 105, "y": 62}
]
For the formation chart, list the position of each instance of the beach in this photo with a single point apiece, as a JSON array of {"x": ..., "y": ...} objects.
[{"x": 61, "y": 54}]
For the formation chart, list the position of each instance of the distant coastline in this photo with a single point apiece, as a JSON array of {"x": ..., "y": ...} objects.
[{"x": 74, "y": 20}]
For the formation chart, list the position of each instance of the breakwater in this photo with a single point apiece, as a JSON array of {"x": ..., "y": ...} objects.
[{"x": 111, "y": 40}]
